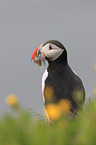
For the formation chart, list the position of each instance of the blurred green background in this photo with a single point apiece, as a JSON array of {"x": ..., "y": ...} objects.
[{"x": 30, "y": 128}]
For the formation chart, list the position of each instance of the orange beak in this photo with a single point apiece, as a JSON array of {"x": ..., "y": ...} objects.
[
  {"x": 38, "y": 57},
  {"x": 35, "y": 53}
]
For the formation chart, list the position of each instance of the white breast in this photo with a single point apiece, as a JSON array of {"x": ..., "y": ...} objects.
[{"x": 45, "y": 75}]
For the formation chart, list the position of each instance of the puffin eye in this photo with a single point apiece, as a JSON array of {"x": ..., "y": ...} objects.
[{"x": 50, "y": 48}]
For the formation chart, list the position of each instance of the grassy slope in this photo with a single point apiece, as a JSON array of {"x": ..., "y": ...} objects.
[{"x": 23, "y": 129}]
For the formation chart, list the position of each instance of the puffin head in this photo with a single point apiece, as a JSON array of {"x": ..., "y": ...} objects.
[{"x": 51, "y": 50}]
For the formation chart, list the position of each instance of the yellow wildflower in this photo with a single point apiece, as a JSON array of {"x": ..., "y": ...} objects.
[
  {"x": 53, "y": 111},
  {"x": 12, "y": 100},
  {"x": 78, "y": 95},
  {"x": 48, "y": 93},
  {"x": 64, "y": 105}
]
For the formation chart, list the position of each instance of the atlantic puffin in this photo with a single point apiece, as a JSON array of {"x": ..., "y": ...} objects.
[{"x": 64, "y": 82}]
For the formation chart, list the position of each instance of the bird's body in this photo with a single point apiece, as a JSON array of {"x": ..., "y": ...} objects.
[
  {"x": 60, "y": 77},
  {"x": 64, "y": 82}
]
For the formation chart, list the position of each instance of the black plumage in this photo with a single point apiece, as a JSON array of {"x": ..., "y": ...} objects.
[{"x": 65, "y": 83}]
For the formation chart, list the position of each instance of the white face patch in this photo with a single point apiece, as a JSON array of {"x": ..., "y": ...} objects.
[{"x": 52, "y": 53}]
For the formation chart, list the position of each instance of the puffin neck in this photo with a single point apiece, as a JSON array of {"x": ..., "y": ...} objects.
[
  {"x": 60, "y": 62},
  {"x": 62, "y": 59}
]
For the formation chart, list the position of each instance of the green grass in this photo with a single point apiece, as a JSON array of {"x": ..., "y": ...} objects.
[{"x": 24, "y": 129}]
